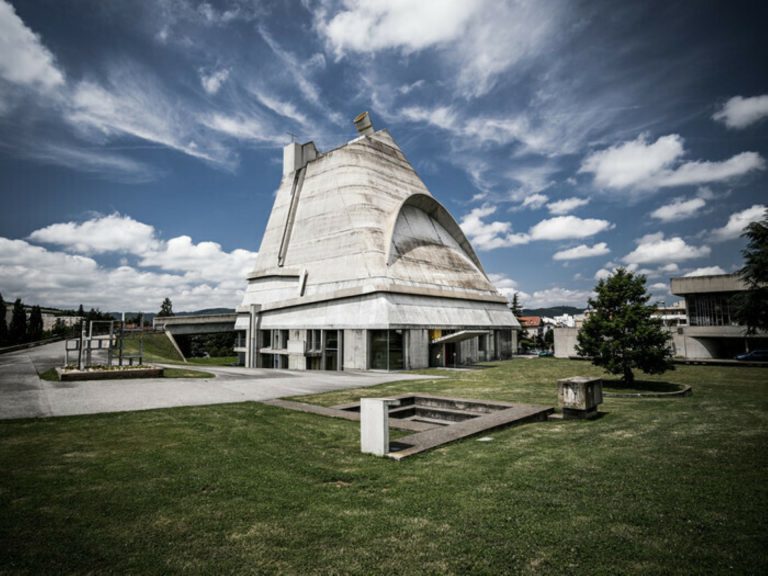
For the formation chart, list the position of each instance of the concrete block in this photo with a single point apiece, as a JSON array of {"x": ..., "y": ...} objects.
[
  {"x": 374, "y": 425},
  {"x": 579, "y": 396}
]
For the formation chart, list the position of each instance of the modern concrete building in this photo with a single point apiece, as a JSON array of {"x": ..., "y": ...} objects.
[
  {"x": 712, "y": 330},
  {"x": 361, "y": 268}
]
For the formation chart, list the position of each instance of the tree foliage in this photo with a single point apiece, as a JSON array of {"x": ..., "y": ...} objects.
[
  {"x": 752, "y": 306},
  {"x": 619, "y": 333},
  {"x": 17, "y": 331},
  {"x": 35, "y": 327},
  {"x": 166, "y": 308},
  {"x": 515, "y": 306},
  {"x": 3, "y": 323}
]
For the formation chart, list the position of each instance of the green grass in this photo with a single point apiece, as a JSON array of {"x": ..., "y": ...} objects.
[
  {"x": 50, "y": 375},
  {"x": 673, "y": 486},
  {"x": 157, "y": 347},
  {"x": 214, "y": 361},
  {"x": 185, "y": 373}
]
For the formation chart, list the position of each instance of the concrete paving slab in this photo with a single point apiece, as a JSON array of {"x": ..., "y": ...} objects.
[{"x": 24, "y": 395}]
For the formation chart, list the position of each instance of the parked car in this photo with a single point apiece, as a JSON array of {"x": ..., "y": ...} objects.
[
  {"x": 754, "y": 356},
  {"x": 546, "y": 353}
]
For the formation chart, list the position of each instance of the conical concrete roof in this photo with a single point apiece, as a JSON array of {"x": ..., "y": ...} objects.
[{"x": 359, "y": 220}]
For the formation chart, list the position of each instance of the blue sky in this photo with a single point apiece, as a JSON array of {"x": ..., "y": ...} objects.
[{"x": 140, "y": 142}]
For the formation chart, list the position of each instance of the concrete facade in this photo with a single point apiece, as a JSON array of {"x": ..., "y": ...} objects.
[
  {"x": 712, "y": 330},
  {"x": 361, "y": 268}
]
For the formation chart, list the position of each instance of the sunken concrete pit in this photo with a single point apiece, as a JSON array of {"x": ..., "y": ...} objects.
[{"x": 434, "y": 420}]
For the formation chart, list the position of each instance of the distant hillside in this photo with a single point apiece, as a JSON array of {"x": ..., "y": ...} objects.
[{"x": 554, "y": 311}]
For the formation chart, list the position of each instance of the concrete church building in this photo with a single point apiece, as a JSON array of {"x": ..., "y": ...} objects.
[{"x": 361, "y": 268}]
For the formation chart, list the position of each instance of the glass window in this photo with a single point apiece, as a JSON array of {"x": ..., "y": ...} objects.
[{"x": 386, "y": 349}]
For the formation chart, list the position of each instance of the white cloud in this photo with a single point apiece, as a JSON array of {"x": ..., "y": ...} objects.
[
  {"x": 634, "y": 162},
  {"x": 737, "y": 222},
  {"x": 654, "y": 248},
  {"x": 488, "y": 236},
  {"x": 213, "y": 82},
  {"x": 639, "y": 165},
  {"x": 582, "y": 251},
  {"x": 741, "y": 112},
  {"x": 535, "y": 201},
  {"x": 479, "y": 39},
  {"x": 507, "y": 286},
  {"x": 557, "y": 297},
  {"x": 23, "y": 58},
  {"x": 679, "y": 209},
  {"x": 113, "y": 233},
  {"x": 193, "y": 275},
  {"x": 567, "y": 205},
  {"x": 603, "y": 273},
  {"x": 134, "y": 105},
  {"x": 706, "y": 271},
  {"x": 241, "y": 127},
  {"x": 568, "y": 227}
]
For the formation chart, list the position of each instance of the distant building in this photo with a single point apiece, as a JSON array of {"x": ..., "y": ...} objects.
[
  {"x": 712, "y": 330},
  {"x": 674, "y": 315},
  {"x": 533, "y": 326},
  {"x": 361, "y": 268}
]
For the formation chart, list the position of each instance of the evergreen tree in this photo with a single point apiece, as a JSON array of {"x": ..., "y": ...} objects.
[
  {"x": 166, "y": 308},
  {"x": 81, "y": 311},
  {"x": 619, "y": 333},
  {"x": 35, "y": 329},
  {"x": 3, "y": 323},
  {"x": 17, "y": 331},
  {"x": 752, "y": 306},
  {"x": 515, "y": 306}
]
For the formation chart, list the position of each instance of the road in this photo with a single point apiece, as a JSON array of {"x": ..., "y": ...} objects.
[{"x": 24, "y": 395}]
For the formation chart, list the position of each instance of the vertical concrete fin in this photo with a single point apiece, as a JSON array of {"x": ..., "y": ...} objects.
[
  {"x": 175, "y": 345},
  {"x": 298, "y": 182}
]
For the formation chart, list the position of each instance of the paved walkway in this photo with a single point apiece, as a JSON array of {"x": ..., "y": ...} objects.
[{"x": 24, "y": 395}]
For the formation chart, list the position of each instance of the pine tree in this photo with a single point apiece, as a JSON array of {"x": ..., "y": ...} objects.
[
  {"x": 166, "y": 308},
  {"x": 752, "y": 306},
  {"x": 3, "y": 323},
  {"x": 35, "y": 329},
  {"x": 620, "y": 334},
  {"x": 17, "y": 331},
  {"x": 515, "y": 306}
]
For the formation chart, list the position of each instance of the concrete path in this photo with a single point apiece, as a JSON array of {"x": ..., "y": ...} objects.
[{"x": 24, "y": 395}]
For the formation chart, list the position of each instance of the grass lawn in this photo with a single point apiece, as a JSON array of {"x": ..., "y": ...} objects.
[
  {"x": 214, "y": 361},
  {"x": 672, "y": 486},
  {"x": 156, "y": 347}
]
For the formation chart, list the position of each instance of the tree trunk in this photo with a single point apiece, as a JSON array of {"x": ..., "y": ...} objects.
[{"x": 629, "y": 377}]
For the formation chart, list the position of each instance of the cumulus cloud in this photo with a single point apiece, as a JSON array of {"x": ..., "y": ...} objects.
[
  {"x": 212, "y": 82},
  {"x": 23, "y": 58},
  {"x": 567, "y": 205},
  {"x": 679, "y": 209},
  {"x": 706, "y": 271},
  {"x": 557, "y": 297},
  {"x": 655, "y": 248},
  {"x": 741, "y": 112},
  {"x": 737, "y": 222},
  {"x": 490, "y": 235},
  {"x": 193, "y": 275},
  {"x": 568, "y": 227},
  {"x": 507, "y": 286},
  {"x": 641, "y": 165},
  {"x": 582, "y": 251},
  {"x": 113, "y": 233}
]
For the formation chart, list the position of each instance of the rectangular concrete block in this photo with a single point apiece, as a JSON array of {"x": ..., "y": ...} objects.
[
  {"x": 374, "y": 425},
  {"x": 579, "y": 396}
]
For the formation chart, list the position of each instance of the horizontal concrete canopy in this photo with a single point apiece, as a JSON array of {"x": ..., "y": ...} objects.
[{"x": 459, "y": 336}]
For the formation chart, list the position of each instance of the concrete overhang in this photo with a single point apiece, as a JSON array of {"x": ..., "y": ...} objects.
[{"x": 707, "y": 284}]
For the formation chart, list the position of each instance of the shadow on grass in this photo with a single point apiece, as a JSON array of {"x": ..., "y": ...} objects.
[{"x": 641, "y": 386}]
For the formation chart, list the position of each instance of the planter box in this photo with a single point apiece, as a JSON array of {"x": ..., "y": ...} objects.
[
  {"x": 141, "y": 372},
  {"x": 579, "y": 396}
]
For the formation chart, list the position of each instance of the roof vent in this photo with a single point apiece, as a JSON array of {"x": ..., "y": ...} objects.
[{"x": 363, "y": 124}]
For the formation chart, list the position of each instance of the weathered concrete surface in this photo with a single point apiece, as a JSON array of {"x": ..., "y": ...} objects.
[
  {"x": 707, "y": 284},
  {"x": 24, "y": 395}
]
